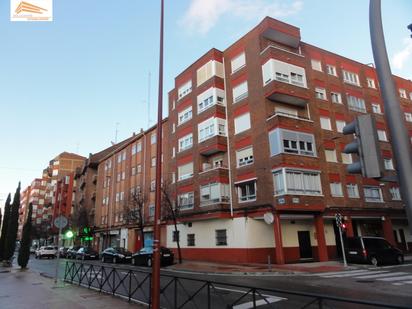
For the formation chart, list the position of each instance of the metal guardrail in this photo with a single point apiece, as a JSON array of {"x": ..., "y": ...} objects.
[{"x": 182, "y": 292}]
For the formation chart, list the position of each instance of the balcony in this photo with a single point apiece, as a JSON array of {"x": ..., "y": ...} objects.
[
  {"x": 280, "y": 91},
  {"x": 214, "y": 201},
  {"x": 281, "y": 33},
  {"x": 298, "y": 123},
  {"x": 213, "y": 145}
]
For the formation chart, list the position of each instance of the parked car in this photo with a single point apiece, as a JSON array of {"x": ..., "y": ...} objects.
[
  {"x": 72, "y": 251},
  {"x": 116, "y": 255},
  {"x": 145, "y": 255},
  {"x": 46, "y": 251},
  {"x": 63, "y": 252},
  {"x": 373, "y": 250},
  {"x": 33, "y": 249},
  {"x": 87, "y": 253}
]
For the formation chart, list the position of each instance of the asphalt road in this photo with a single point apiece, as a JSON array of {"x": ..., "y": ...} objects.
[{"x": 229, "y": 291}]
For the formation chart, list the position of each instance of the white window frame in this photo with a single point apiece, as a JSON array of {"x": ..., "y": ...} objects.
[
  {"x": 240, "y": 92},
  {"x": 242, "y": 123},
  {"x": 352, "y": 190},
  {"x": 325, "y": 123},
  {"x": 388, "y": 164},
  {"x": 250, "y": 195},
  {"x": 185, "y": 115},
  {"x": 376, "y": 108},
  {"x": 303, "y": 144},
  {"x": 185, "y": 142},
  {"x": 371, "y": 83},
  {"x": 382, "y": 137},
  {"x": 244, "y": 156},
  {"x": 185, "y": 89},
  {"x": 340, "y": 124},
  {"x": 296, "y": 182},
  {"x": 153, "y": 138},
  {"x": 186, "y": 175},
  {"x": 336, "y": 97},
  {"x": 371, "y": 199},
  {"x": 346, "y": 158},
  {"x": 316, "y": 65},
  {"x": 330, "y": 155},
  {"x": 408, "y": 117},
  {"x": 331, "y": 70},
  {"x": 211, "y": 127},
  {"x": 238, "y": 62},
  {"x": 395, "y": 193},
  {"x": 350, "y": 78},
  {"x": 356, "y": 104},
  {"x": 283, "y": 72},
  {"x": 320, "y": 93},
  {"x": 336, "y": 189},
  {"x": 402, "y": 93},
  {"x": 186, "y": 200},
  {"x": 210, "y": 97}
]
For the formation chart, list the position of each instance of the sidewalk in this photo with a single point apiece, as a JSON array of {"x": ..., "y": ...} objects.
[
  {"x": 29, "y": 290},
  {"x": 259, "y": 269}
]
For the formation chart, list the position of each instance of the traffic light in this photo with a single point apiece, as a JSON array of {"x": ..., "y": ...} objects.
[
  {"x": 87, "y": 234},
  {"x": 69, "y": 234},
  {"x": 366, "y": 146}
]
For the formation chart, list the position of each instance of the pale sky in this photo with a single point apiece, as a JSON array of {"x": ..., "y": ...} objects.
[{"x": 65, "y": 84}]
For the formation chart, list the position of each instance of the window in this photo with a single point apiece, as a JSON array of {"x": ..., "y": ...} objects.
[
  {"x": 240, "y": 92},
  {"x": 133, "y": 149},
  {"x": 292, "y": 181},
  {"x": 281, "y": 140},
  {"x": 209, "y": 98},
  {"x": 119, "y": 177},
  {"x": 221, "y": 238},
  {"x": 371, "y": 83},
  {"x": 352, "y": 190},
  {"x": 388, "y": 163},
  {"x": 117, "y": 197},
  {"x": 139, "y": 168},
  {"x": 184, "y": 115},
  {"x": 119, "y": 158},
  {"x": 336, "y": 97},
  {"x": 208, "y": 70},
  {"x": 153, "y": 185},
  {"x": 291, "y": 112},
  {"x": 376, "y": 108},
  {"x": 153, "y": 163},
  {"x": 382, "y": 135},
  {"x": 151, "y": 211},
  {"x": 184, "y": 89},
  {"x": 185, "y": 171},
  {"x": 247, "y": 191},
  {"x": 346, "y": 158},
  {"x": 395, "y": 193},
  {"x": 330, "y": 155},
  {"x": 153, "y": 138},
  {"x": 356, "y": 104},
  {"x": 190, "y": 240},
  {"x": 124, "y": 155},
  {"x": 373, "y": 194},
  {"x": 123, "y": 175},
  {"x": 186, "y": 201},
  {"x": 331, "y": 70},
  {"x": 336, "y": 189},
  {"x": 173, "y": 152},
  {"x": 121, "y": 196},
  {"x": 410, "y": 95},
  {"x": 211, "y": 127},
  {"x": 283, "y": 72},
  {"x": 350, "y": 78},
  {"x": 175, "y": 236},
  {"x": 402, "y": 93},
  {"x": 214, "y": 193},
  {"x": 320, "y": 93},
  {"x": 316, "y": 65},
  {"x": 186, "y": 142},
  {"x": 242, "y": 123},
  {"x": 340, "y": 124},
  {"x": 244, "y": 157},
  {"x": 139, "y": 147},
  {"x": 325, "y": 123},
  {"x": 408, "y": 117},
  {"x": 238, "y": 62}
]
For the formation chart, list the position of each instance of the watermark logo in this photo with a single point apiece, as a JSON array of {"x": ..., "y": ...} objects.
[{"x": 32, "y": 10}]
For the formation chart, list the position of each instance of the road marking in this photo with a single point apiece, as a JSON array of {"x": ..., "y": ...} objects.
[
  {"x": 337, "y": 272},
  {"x": 386, "y": 274},
  {"x": 408, "y": 282},
  {"x": 364, "y": 272},
  {"x": 397, "y": 278},
  {"x": 259, "y": 302}
]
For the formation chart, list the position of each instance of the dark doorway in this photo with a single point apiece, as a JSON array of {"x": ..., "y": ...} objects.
[
  {"x": 403, "y": 240},
  {"x": 305, "y": 247}
]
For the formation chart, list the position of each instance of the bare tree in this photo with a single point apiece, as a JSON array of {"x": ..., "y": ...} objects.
[
  {"x": 133, "y": 211},
  {"x": 171, "y": 211}
]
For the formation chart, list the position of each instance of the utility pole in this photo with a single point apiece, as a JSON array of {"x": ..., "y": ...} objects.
[
  {"x": 394, "y": 117},
  {"x": 156, "y": 237}
]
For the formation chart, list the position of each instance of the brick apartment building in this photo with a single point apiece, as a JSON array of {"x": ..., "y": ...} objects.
[
  {"x": 255, "y": 151},
  {"x": 125, "y": 185}
]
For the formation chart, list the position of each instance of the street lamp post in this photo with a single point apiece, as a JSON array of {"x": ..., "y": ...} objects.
[
  {"x": 156, "y": 239},
  {"x": 393, "y": 114}
]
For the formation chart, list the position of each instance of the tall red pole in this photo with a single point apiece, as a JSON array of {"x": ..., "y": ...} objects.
[{"x": 156, "y": 239}]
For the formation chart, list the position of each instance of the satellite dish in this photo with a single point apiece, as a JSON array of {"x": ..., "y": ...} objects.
[{"x": 268, "y": 217}]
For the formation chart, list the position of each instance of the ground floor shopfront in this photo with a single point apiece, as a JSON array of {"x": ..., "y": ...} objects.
[{"x": 289, "y": 238}]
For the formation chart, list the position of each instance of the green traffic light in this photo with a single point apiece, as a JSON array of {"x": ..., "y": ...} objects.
[{"x": 69, "y": 234}]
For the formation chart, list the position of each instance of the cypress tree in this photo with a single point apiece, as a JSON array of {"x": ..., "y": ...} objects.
[
  {"x": 24, "y": 251},
  {"x": 12, "y": 228},
  {"x": 5, "y": 224}
]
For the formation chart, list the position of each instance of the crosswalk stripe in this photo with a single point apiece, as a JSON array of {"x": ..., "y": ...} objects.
[
  {"x": 338, "y": 272},
  {"x": 397, "y": 278},
  {"x": 364, "y": 272},
  {"x": 381, "y": 275},
  {"x": 260, "y": 302}
]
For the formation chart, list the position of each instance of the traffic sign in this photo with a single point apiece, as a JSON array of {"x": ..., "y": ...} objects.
[{"x": 60, "y": 222}]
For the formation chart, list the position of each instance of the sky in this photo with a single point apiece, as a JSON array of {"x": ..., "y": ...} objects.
[{"x": 70, "y": 84}]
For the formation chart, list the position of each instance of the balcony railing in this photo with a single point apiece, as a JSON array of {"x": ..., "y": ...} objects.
[{"x": 219, "y": 200}]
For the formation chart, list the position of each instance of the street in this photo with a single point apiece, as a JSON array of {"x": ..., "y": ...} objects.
[{"x": 388, "y": 284}]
